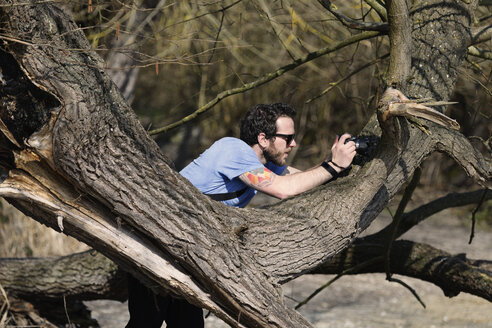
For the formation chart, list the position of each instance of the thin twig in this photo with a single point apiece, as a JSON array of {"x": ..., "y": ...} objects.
[
  {"x": 394, "y": 228},
  {"x": 380, "y": 9},
  {"x": 419, "y": 214},
  {"x": 217, "y": 37},
  {"x": 335, "y": 84},
  {"x": 352, "y": 23},
  {"x": 267, "y": 78},
  {"x": 200, "y": 16},
  {"x": 351, "y": 270},
  {"x": 398, "y": 216},
  {"x": 482, "y": 200},
  {"x": 476, "y": 80},
  {"x": 414, "y": 293},
  {"x": 66, "y": 312},
  {"x": 277, "y": 34},
  {"x": 5, "y": 307}
]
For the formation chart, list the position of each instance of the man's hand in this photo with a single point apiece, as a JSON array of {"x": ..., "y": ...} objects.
[{"x": 343, "y": 153}]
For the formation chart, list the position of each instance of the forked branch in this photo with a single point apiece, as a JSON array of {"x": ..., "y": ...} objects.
[{"x": 352, "y": 23}]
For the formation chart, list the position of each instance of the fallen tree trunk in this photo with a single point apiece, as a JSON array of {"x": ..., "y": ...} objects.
[
  {"x": 83, "y": 276},
  {"x": 452, "y": 273},
  {"x": 92, "y": 276},
  {"x": 75, "y": 158}
]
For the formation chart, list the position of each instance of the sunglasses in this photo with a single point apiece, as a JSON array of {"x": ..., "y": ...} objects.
[{"x": 287, "y": 137}]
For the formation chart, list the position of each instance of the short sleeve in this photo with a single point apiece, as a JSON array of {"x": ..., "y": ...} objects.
[{"x": 216, "y": 170}]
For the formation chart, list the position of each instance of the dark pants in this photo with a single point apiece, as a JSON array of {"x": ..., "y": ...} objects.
[{"x": 148, "y": 310}]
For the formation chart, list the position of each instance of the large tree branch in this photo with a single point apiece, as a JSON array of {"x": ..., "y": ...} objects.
[
  {"x": 452, "y": 273},
  {"x": 431, "y": 59},
  {"x": 416, "y": 216},
  {"x": 91, "y": 223},
  {"x": 83, "y": 276},
  {"x": 477, "y": 165},
  {"x": 130, "y": 199}
]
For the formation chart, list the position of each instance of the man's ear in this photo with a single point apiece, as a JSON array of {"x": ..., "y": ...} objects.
[{"x": 262, "y": 140}]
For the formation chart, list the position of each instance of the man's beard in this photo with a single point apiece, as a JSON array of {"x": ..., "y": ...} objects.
[{"x": 273, "y": 155}]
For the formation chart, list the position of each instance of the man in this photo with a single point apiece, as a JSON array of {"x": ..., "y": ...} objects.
[{"x": 232, "y": 171}]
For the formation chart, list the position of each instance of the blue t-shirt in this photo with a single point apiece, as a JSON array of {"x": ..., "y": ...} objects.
[{"x": 216, "y": 170}]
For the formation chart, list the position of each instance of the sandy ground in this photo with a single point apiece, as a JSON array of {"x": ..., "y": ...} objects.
[{"x": 369, "y": 301}]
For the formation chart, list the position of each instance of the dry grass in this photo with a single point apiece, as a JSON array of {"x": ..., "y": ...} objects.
[
  {"x": 18, "y": 313},
  {"x": 21, "y": 236}
]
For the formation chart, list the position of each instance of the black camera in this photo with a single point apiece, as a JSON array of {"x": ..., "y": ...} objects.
[{"x": 364, "y": 145}]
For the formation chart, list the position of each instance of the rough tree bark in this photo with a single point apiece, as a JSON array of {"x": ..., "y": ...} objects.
[
  {"x": 84, "y": 276},
  {"x": 75, "y": 158}
]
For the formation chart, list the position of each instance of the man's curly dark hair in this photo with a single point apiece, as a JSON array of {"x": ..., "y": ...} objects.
[{"x": 263, "y": 118}]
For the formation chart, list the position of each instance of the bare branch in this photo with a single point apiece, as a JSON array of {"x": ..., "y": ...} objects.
[
  {"x": 223, "y": 9},
  {"x": 400, "y": 43},
  {"x": 407, "y": 286},
  {"x": 485, "y": 54},
  {"x": 453, "y": 274},
  {"x": 481, "y": 34},
  {"x": 351, "y": 23},
  {"x": 267, "y": 78},
  {"x": 85, "y": 276},
  {"x": 414, "y": 217},
  {"x": 268, "y": 15},
  {"x": 475, "y": 211},
  {"x": 475, "y": 164},
  {"x": 348, "y": 76},
  {"x": 381, "y": 10},
  {"x": 397, "y": 218},
  {"x": 352, "y": 270},
  {"x": 217, "y": 37}
]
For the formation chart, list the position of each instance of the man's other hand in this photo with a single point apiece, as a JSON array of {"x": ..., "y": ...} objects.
[{"x": 343, "y": 153}]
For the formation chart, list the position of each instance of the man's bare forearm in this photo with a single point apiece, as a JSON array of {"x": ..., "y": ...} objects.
[{"x": 283, "y": 186}]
